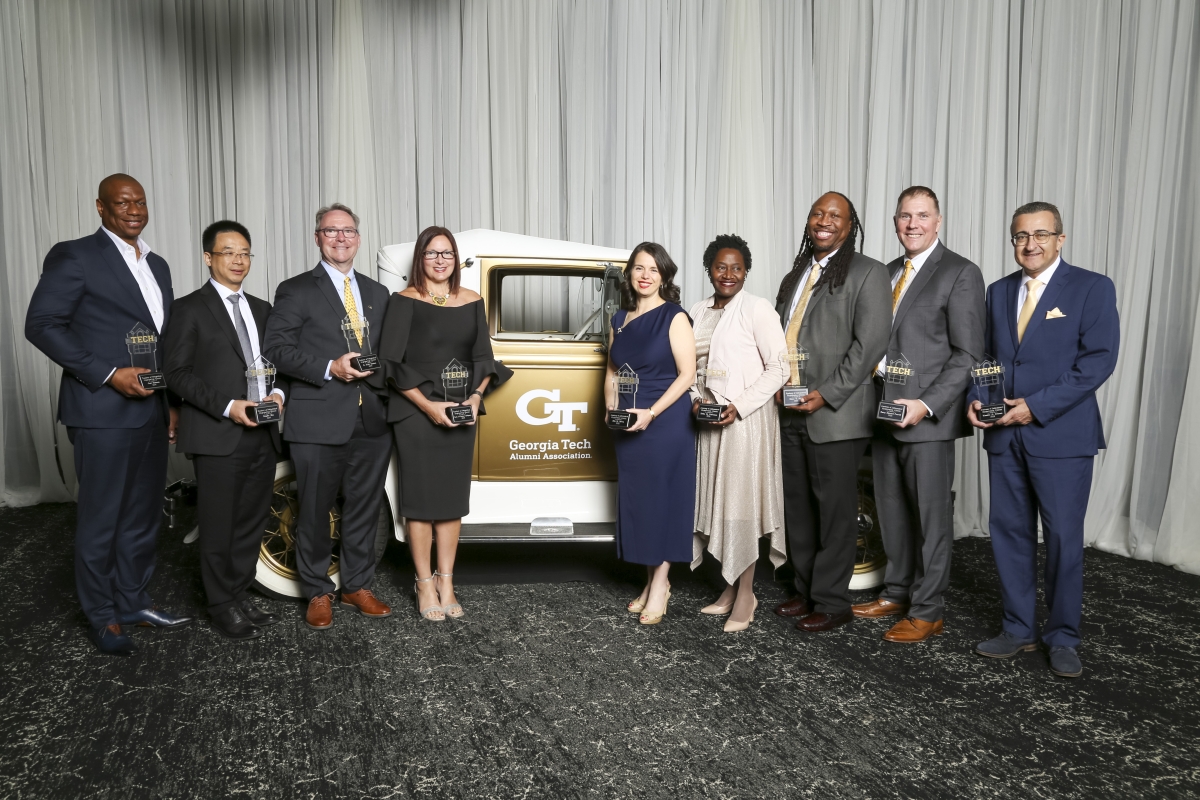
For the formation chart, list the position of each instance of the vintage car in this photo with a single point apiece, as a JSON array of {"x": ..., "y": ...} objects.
[{"x": 544, "y": 465}]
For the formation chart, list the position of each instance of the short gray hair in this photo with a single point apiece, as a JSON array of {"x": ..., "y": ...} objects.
[{"x": 335, "y": 207}]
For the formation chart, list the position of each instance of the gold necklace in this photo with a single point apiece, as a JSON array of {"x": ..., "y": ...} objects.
[{"x": 439, "y": 300}]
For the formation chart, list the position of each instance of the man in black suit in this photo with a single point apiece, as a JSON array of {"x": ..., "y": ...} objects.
[
  {"x": 336, "y": 425},
  {"x": 937, "y": 333},
  {"x": 214, "y": 340},
  {"x": 93, "y": 292}
]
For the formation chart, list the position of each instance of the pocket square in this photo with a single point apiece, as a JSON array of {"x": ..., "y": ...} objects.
[{"x": 1054, "y": 313}]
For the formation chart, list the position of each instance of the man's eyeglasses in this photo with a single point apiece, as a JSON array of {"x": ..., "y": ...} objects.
[
  {"x": 434, "y": 255},
  {"x": 1041, "y": 237},
  {"x": 231, "y": 255},
  {"x": 332, "y": 233}
]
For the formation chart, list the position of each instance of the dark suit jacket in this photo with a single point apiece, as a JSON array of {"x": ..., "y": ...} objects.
[
  {"x": 938, "y": 327},
  {"x": 205, "y": 366},
  {"x": 845, "y": 331},
  {"x": 304, "y": 333},
  {"x": 1059, "y": 364},
  {"x": 85, "y": 303}
]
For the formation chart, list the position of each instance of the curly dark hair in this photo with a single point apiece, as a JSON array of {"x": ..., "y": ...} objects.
[
  {"x": 835, "y": 271},
  {"x": 666, "y": 269},
  {"x": 726, "y": 241}
]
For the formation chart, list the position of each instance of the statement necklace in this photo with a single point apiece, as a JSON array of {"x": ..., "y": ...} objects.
[{"x": 439, "y": 300}]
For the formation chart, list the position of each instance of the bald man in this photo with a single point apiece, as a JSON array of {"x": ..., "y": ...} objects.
[{"x": 92, "y": 294}]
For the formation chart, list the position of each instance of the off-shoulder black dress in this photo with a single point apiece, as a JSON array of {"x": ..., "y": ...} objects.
[{"x": 419, "y": 340}]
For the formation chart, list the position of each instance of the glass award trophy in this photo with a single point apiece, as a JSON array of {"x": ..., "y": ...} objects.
[
  {"x": 260, "y": 382},
  {"x": 143, "y": 344},
  {"x": 626, "y": 381},
  {"x": 796, "y": 388},
  {"x": 454, "y": 382},
  {"x": 989, "y": 377},
  {"x": 897, "y": 372},
  {"x": 708, "y": 412},
  {"x": 358, "y": 340}
]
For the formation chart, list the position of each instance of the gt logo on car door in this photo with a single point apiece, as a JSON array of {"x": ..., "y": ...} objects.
[{"x": 556, "y": 413}]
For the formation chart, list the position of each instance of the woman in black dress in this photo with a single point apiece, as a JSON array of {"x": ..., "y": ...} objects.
[{"x": 436, "y": 354}]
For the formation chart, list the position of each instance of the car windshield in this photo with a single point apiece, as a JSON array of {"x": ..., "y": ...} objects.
[{"x": 551, "y": 305}]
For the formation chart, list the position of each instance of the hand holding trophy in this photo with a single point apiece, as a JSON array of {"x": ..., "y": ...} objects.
[
  {"x": 708, "y": 412},
  {"x": 142, "y": 344},
  {"x": 988, "y": 375},
  {"x": 455, "y": 378},
  {"x": 626, "y": 382},
  {"x": 357, "y": 331},
  {"x": 260, "y": 383},
  {"x": 897, "y": 371},
  {"x": 796, "y": 389}
]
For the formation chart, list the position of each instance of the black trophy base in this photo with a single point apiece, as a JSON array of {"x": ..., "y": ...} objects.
[
  {"x": 266, "y": 412},
  {"x": 154, "y": 381},
  {"x": 365, "y": 363},
  {"x": 620, "y": 419},
  {"x": 991, "y": 412},
  {"x": 891, "y": 412},
  {"x": 460, "y": 414},
  {"x": 709, "y": 412},
  {"x": 794, "y": 395}
]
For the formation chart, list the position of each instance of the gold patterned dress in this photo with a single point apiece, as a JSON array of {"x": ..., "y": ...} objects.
[{"x": 739, "y": 479}]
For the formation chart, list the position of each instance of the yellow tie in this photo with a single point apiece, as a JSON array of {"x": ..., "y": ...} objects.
[
  {"x": 899, "y": 290},
  {"x": 355, "y": 322},
  {"x": 1031, "y": 301},
  {"x": 793, "y": 330}
]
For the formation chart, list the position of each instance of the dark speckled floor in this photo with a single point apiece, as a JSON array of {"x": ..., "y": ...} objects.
[{"x": 550, "y": 689}]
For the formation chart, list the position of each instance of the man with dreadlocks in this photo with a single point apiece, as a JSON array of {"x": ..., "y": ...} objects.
[{"x": 836, "y": 305}]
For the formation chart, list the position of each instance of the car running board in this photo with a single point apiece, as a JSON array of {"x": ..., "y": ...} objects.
[{"x": 542, "y": 529}]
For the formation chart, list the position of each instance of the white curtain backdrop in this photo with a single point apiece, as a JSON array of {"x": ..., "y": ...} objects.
[{"x": 614, "y": 121}]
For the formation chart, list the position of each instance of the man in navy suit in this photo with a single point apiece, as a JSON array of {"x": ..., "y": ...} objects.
[
  {"x": 92, "y": 293},
  {"x": 1054, "y": 329}
]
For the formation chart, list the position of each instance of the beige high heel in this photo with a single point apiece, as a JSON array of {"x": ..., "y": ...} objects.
[
  {"x": 637, "y": 606},
  {"x": 451, "y": 608},
  {"x": 733, "y": 627},
  {"x": 717, "y": 610},
  {"x": 647, "y": 619},
  {"x": 428, "y": 612}
]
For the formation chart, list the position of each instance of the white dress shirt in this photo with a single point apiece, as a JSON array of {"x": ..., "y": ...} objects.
[
  {"x": 151, "y": 291},
  {"x": 801, "y": 284},
  {"x": 918, "y": 261},
  {"x": 339, "y": 283},
  {"x": 1044, "y": 278},
  {"x": 248, "y": 317}
]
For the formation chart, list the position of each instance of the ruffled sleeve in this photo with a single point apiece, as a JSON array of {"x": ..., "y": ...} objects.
[
  {"x": 394, "y": 374},
  {"x": 483, "y": 360}
]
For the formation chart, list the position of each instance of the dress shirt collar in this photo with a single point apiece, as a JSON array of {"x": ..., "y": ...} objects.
[
  {"x": 125, "y": 248},
  {"x": 337, "y": 276},
  {"x": 824, "y": 260},
  {"x": 225, "y": 291},
  {"x": 920, "y": 258},
  {"x": 1045, "y": 276}
]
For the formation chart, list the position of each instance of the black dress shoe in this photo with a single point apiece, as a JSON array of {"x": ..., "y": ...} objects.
[
  {"x": 796, "y": 607},
  {"x": 112, "y": 641},
  {"x": 155, "y": 617},
  {"x": 257, "y": 615},
  {"x": 818, "y": 621},
  {"x": 232, "y": 624}
]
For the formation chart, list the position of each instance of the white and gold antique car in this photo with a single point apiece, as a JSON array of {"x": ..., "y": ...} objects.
[{"x": 544, "y": 466}]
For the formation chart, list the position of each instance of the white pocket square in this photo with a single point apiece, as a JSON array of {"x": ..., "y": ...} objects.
[{"x": 1054, "y": 313}]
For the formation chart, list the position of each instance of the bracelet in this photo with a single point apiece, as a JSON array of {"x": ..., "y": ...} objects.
[
  {"x": 477, "y": 392},
  {"x": 652, "y": 414}
]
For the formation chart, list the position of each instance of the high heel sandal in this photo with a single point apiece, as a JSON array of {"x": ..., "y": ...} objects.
[
  {"x": 732, "y": 626},
  {"x": 450, "y": 608},
  {"x": 428, "y": 610},
  {"x": 637, "y": 605},
  {"x": 647, "y": 619}
]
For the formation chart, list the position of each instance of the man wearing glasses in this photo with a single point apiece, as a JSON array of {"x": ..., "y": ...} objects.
[
  {"x": 213, "y": 349},
  {"x": 1054, "y": 329},
  {"x": 336, "y": 425}
]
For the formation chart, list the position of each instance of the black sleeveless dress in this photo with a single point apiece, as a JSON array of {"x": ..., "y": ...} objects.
[{"x": 418, "y": 341}]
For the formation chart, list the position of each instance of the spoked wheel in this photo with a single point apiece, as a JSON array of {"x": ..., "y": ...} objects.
[{"x": 869, "y": 561}]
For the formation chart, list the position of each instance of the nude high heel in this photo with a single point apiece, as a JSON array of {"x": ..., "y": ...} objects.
[
  {"x": 733, "y": 627},
  {"x": 452, "y": 610},
  {"x": 637, "y": 606},
  {"x": 649, "y": 619},
  {"x": 428, "y": 612},
  {"x": 717, "y": 610}
]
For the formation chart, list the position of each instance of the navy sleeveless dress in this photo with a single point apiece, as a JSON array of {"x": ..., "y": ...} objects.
[{"x": 656, "y": 468}]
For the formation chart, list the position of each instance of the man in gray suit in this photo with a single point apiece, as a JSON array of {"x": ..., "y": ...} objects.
[
  {"x": 937, "y": 333},
  {"x": 834, "y": 304}
]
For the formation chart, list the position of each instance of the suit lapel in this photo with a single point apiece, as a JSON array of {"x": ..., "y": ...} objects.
[
  {"x": 1048, "y": 300},
  {"x": 1010, "y": 308},
  {"x": 212, "y": 299},
  {"x": 124, "y": 278},
  {"x": 162, "y": 274},
  {"x": 924, "y": 275},
  {"x": 325, "y": 285}
]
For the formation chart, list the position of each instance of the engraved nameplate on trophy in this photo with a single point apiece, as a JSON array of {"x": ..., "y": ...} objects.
[
  {"x": 142, "y": 344},
  {"x": 260, "y": 382},
  {"x": 988, "y": 375},
  {"x": 626, "y": 381},
  {"x": 897, "y": 373},
  {"x": 366, "y": 360},
  {"x": 455, "y": 378},
  {"x": 708, "y": 412},
  {"x": 796, "y": 388}
]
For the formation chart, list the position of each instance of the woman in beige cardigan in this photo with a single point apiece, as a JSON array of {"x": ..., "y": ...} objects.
[{"x": 739, "y": 478}]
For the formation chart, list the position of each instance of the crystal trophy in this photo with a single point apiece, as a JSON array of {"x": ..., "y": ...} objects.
[
  {"x": 626, "y": 382},
  {"x": 708, "y": 412},
  {"x": 358, "y": 340},
  {"x": 796, "y": 388},
  {"x": 988, "y": 375},
  {"x": 260, "y": 382},
  {"x": 454, "y": 382},
  {"x": 896, "y": 372},
  {"x": 143, "y": 344}
]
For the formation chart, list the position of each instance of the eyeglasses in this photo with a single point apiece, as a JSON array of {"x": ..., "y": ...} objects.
[
  {"x": 332, "y": 233},
  {"x": 1041, "y": 237},
  {"x": 231, "y": 255},
  {"x": 434, "y": 255}
]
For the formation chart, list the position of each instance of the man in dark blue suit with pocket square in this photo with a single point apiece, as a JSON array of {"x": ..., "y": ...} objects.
[
  {"x": 92, "y": 293},
  {"x": 1054, "y": 328}
]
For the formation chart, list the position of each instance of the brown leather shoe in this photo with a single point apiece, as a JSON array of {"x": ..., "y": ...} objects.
[
  {"x": 320, "y": 612},
  {"x": 796, "y": 607},
  {"x": 879, "y": 607},
  {"x": 911, "y": 631},
  {"x": 818, "y": 622},
  {"x": 366, "y": 603}
]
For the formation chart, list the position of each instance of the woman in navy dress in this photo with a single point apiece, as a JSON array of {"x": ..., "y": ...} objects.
[{"x": 656, "y": 458}]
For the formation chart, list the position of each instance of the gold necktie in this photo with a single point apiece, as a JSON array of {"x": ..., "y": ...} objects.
[
  {"x": 899, "y": 290},
  {"x": 1031, "y": 301},
  {"x": 355, "y": 322},
  {"x": 793, "y": 329}
]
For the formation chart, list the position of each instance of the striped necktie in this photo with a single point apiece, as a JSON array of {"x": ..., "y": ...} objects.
[{"x": 899, "y": 290}]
